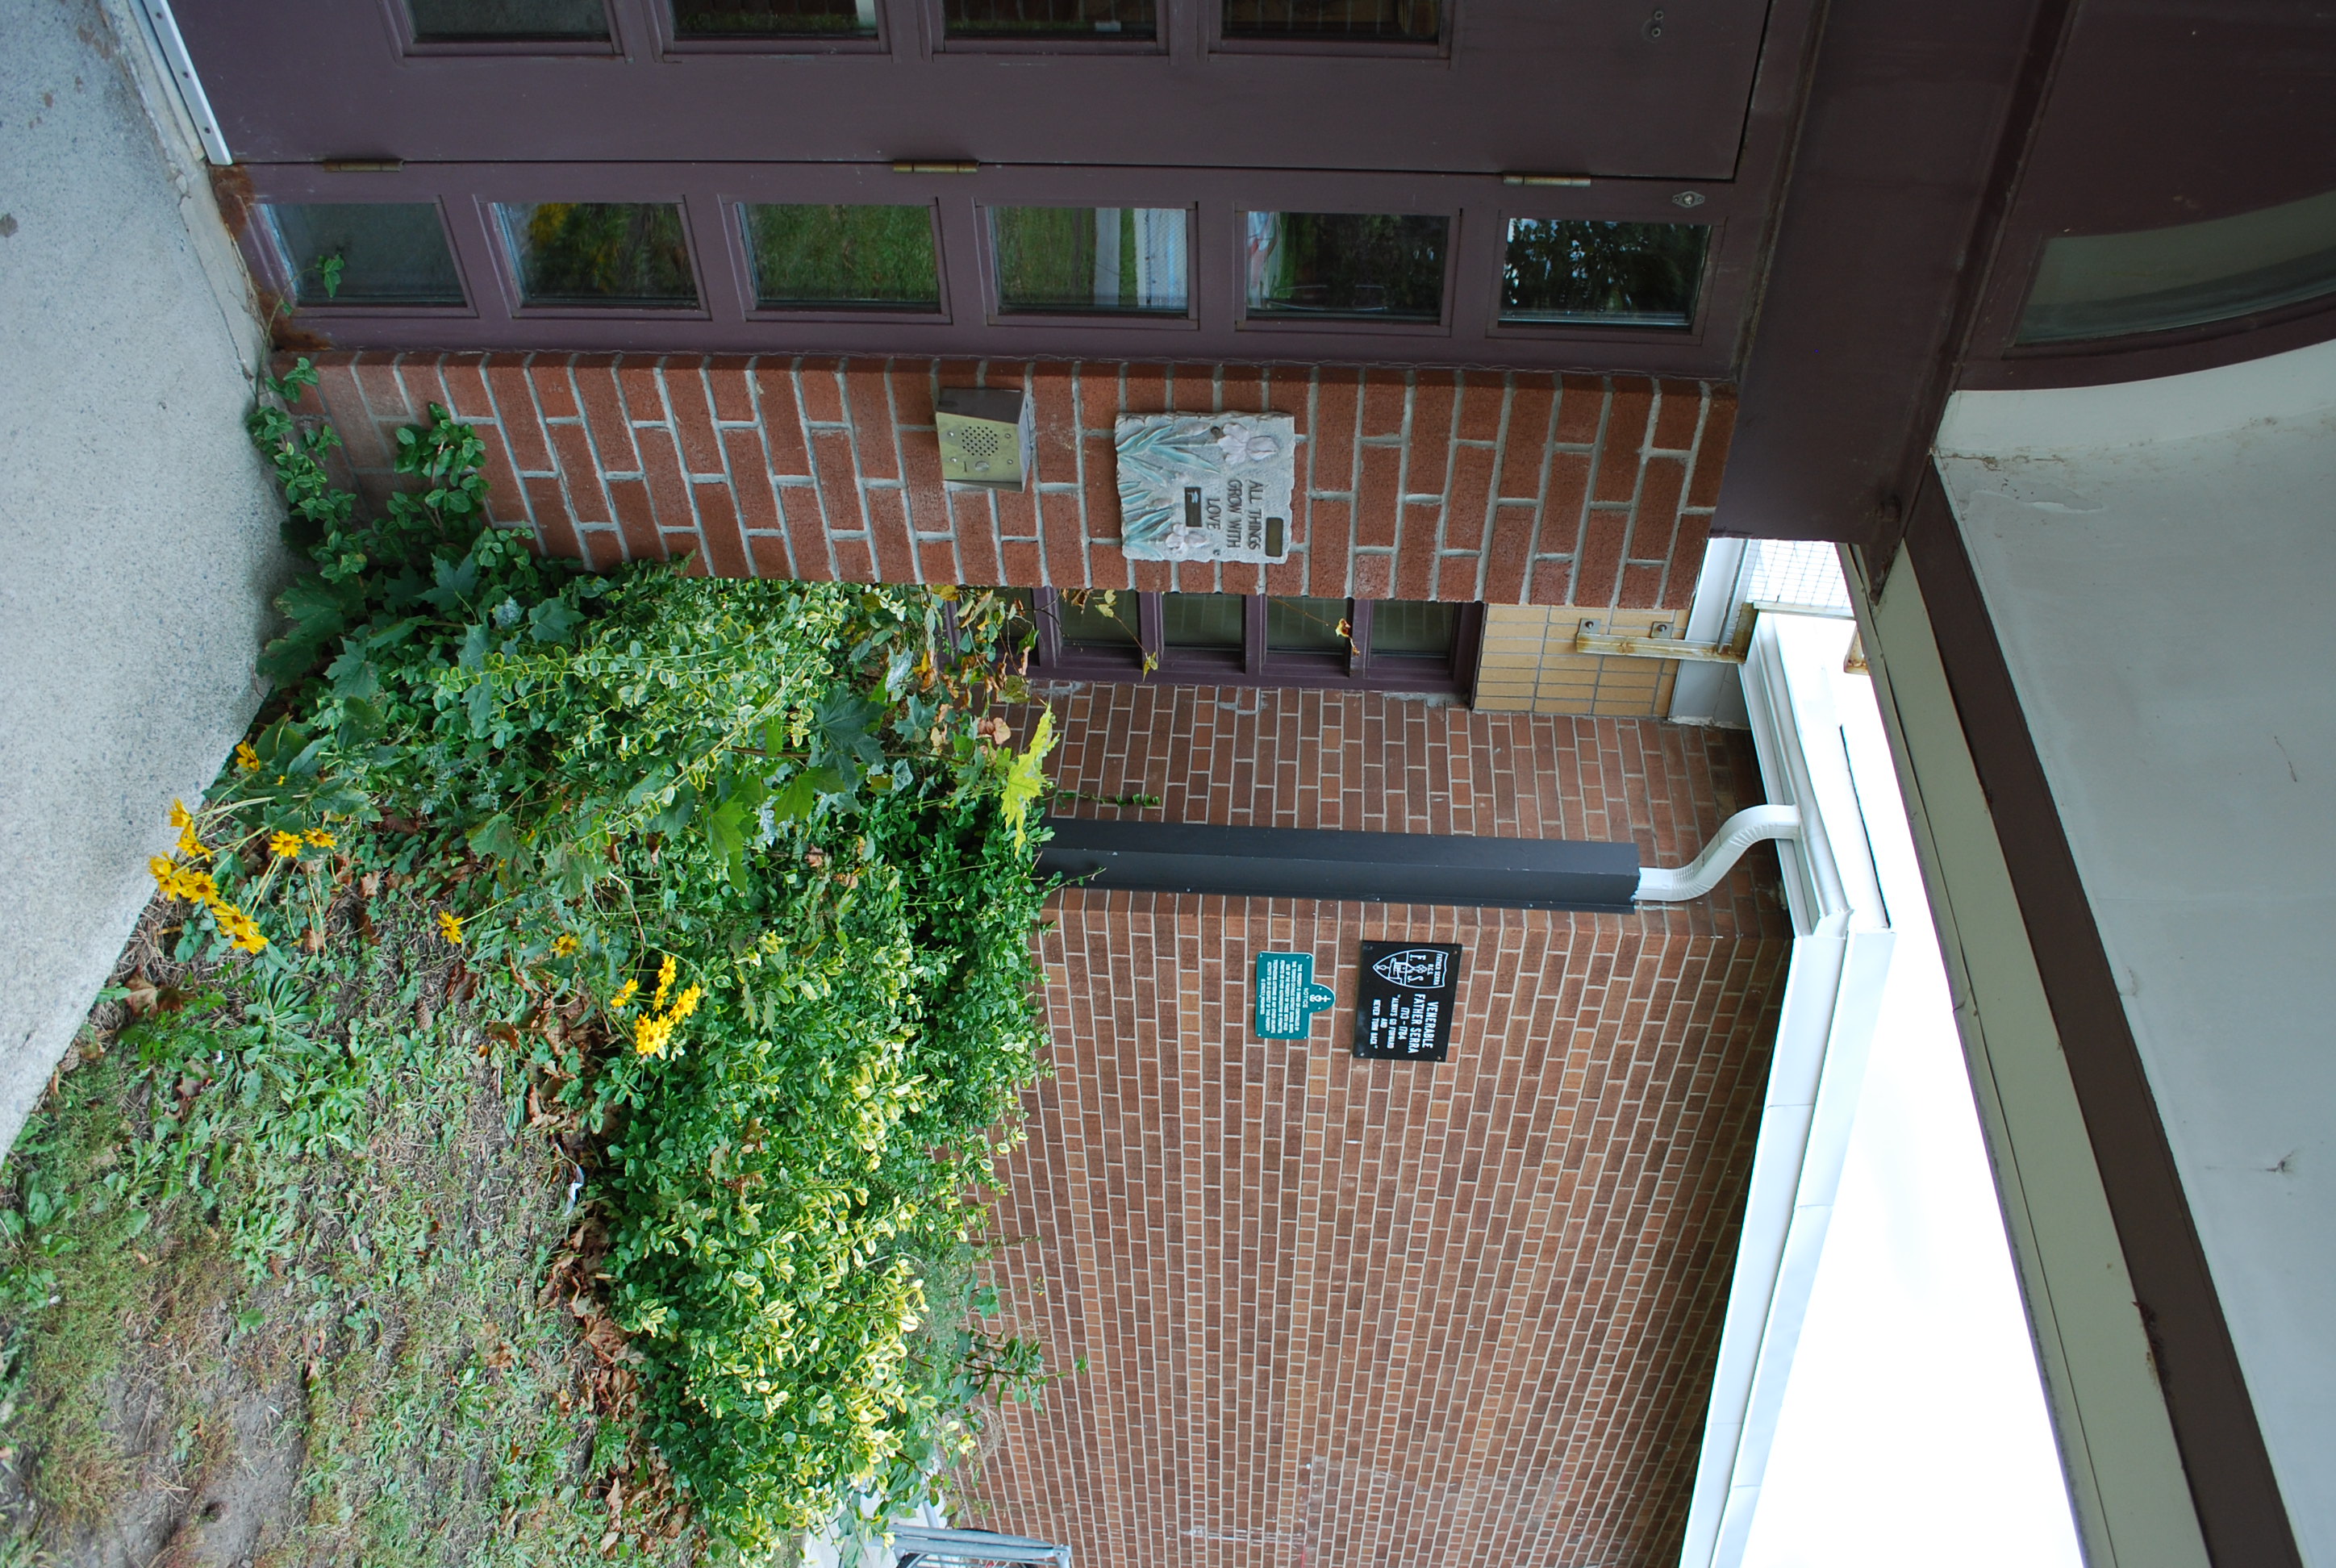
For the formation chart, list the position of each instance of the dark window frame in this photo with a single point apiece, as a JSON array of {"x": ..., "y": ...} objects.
[{"x": 1451, "y": 673}]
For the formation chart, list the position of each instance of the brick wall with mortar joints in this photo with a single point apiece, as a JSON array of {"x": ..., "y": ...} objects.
[
  {"x": 1385, "y": 1313},
  {"x": 1508, "y": 487}
]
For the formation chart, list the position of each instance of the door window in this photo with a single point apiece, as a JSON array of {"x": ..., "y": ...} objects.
[
  {"x": 1081, "y": 259},
  {"x": 1048, "y": 18},
  {"x": 714, "y": 19},
  {"x": 1371, "y": 21},
  {"x": 630, "y": 254},
  {"x": 508, "y": 21},
  {"x": 843, "y": 258},
  {"x": 1353, "y": 265},
  {"x": 1616, "y": 274},
  {"x": 365, "y": 253}
]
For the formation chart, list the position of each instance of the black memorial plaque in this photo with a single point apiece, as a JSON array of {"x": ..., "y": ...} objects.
[{"x": 1404, "y": 1005}]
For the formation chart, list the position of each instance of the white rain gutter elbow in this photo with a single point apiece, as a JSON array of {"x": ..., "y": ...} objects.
[{"x": 1738, "y": 834}]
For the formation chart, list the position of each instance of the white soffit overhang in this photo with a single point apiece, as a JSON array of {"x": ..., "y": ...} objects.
[
  {"x": 2156, "y": 559},
  {"x": 1841, "y": 942}
]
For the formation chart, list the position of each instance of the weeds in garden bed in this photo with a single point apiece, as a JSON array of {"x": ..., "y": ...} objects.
[{"x": 736, "y": 880}]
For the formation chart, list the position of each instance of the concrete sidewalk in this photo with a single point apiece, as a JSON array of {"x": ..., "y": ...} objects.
[{"x": 138, "y": 528}]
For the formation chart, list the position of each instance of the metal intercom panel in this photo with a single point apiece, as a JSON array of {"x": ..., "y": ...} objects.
[{"x": 988, "y": 437}]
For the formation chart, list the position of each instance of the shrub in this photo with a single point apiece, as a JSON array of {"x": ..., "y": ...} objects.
[{"x": 770, "y": 833}]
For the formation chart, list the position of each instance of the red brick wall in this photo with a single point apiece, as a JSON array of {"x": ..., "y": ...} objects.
[
  {"x": 1512, "y": 488},
  {"x": 1345, "y": 1314}
]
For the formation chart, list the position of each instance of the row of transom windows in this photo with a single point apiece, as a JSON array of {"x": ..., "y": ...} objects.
[{"x": 1129, "y": 262}]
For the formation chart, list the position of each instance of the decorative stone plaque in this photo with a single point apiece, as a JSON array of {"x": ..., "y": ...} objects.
[
  {"x": 1205, "y": 486},
  {"x": 1404, "y": 1004},
  {"x": 1286, "y": 997}
]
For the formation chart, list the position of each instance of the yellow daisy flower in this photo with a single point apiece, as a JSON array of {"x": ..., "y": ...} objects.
[
  {"x": 284, "y": 846},
  {"x": 650, "y": 1035},
  {"x": 246, "y": 758},
  {"x": 562, "y": 946},
  {"x": 624, "y": 997},
  {"x": 665, "y": 983},
  {"x": 450, "y": 926},
  {"x": 320, "y": 838}
]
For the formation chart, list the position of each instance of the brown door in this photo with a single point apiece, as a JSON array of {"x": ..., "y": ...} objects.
[{"x": 1603, "y": 88}]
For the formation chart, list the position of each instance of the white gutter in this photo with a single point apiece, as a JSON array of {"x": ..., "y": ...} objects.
[
  {"x": 1753, "y": 824},
  {"x": 1842, "y": 941}
]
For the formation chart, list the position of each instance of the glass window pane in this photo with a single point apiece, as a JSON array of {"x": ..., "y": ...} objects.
[
  {"x": 2108, "y": 285},
  {"x": 1048, "y": 18},
  {"x": 520, "y": 21},
  {"x": 624, "y": 253},
  {"x": 878, "y": 256},
  {"x": 1398, "y": 21},
  {"x": 1099, "y": 618},
  {"x": 1413, "y": 626},
  {"x": 369, "y": 253},
  {"x": 1090, "y": 259},
  {"x": 774, "y": 18},
  {"x": 1294, "y": 625},
  {"x": 1617, "y": 274},
  {"x": 1200, "y": 620},
  {"x": 1346, "y": 264}
]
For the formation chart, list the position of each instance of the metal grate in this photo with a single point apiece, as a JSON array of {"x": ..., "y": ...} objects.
[{"x": 1795, "y": 571}]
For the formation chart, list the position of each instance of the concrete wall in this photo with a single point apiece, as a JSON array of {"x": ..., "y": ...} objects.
[{"x": 139, "y": 527}]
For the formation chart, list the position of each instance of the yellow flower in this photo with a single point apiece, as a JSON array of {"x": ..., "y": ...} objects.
[
  {"x": 650, "y": 1035},
  {"x": 684, "y": 1005},
  {"x": 179, "y": 815},
  {"x": 450, "y": 926},
  {"x": 665, "y": 983},
  {"x": 190, "y": 846},
  {"x": 624, "y": 997},
  {"x": 180, "y": 881},
  {"x": 246, "y": 758},
  {"x": 320, "y": 838},
  {"x": 563, "y": 946},
  {"x": 238, "y": 928},
  {"x": 284, "y": 846}
]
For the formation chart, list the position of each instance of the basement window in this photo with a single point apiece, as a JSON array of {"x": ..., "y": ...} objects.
[{"x": 1254, "y": 640}]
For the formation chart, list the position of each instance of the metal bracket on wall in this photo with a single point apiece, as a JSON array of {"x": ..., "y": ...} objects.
[{"x": 1659, "y": 643}]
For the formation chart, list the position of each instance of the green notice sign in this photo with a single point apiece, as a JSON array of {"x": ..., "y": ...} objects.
[{"x": 1286, "y": 996}]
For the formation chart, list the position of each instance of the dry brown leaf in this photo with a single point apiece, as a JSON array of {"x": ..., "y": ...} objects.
[{"x": 139, "y": 994}]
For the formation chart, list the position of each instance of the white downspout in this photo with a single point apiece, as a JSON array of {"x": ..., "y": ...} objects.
[{"x": 1699, "y": 876}]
